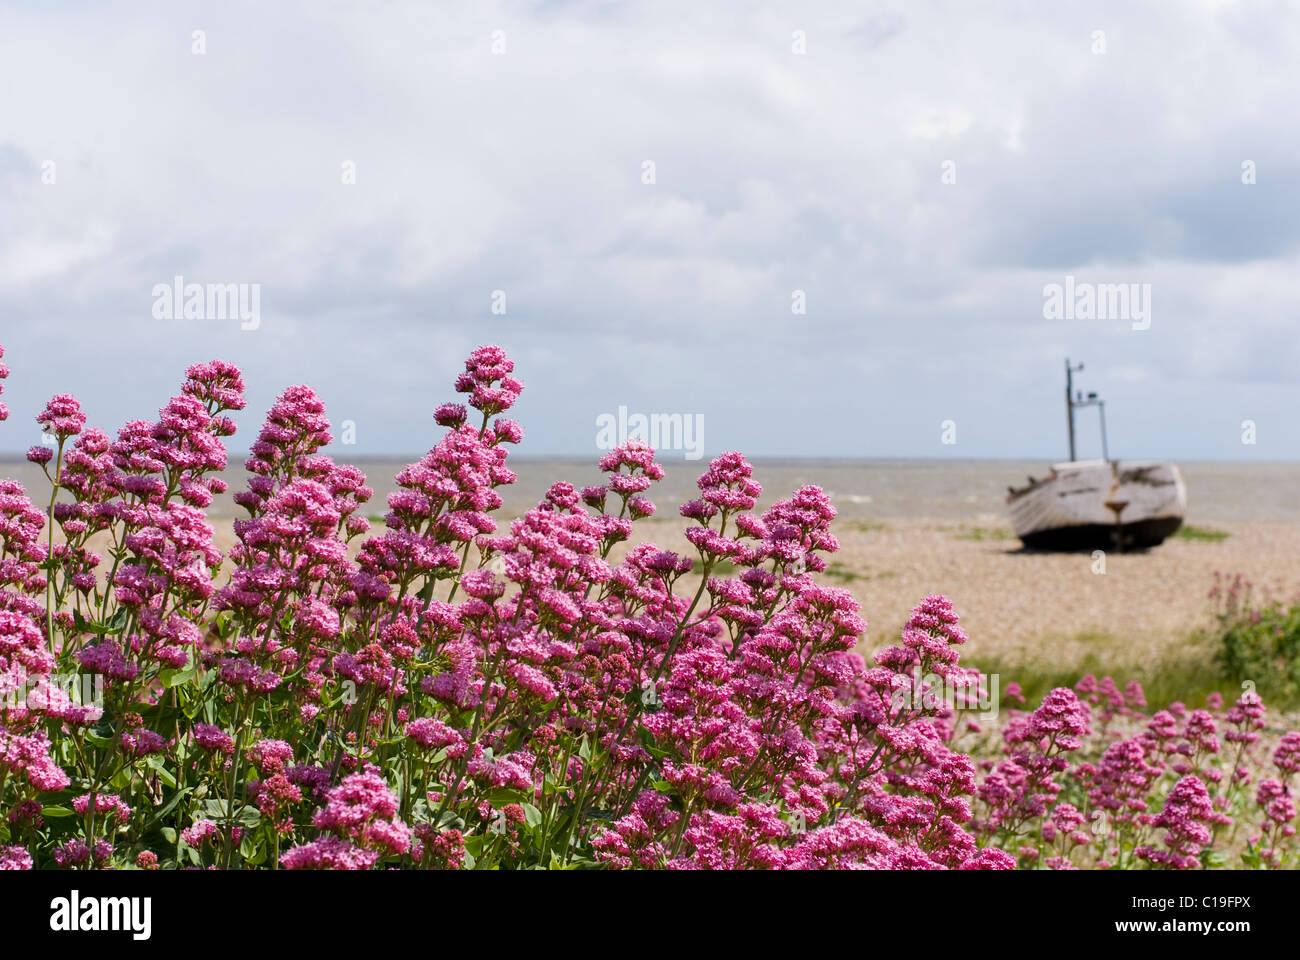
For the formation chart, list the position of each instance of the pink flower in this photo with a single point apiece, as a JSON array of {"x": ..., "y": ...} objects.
[
  {"x": 450, "y": 414},
  {"x": 486, "y": 379},
  {"x": 213, "y": 738},
  {"x": 216, "y": 384},
  {"x": 703, "y": 703},
  {"x": 329, "y": 853},
  {"x": 104, "y": 804},
  {"x": 433, "y": 734},
  {"x": 270, "y": 756},
  {"x": 363, "y": 810},
  {"x": 14, "y": 857},
  {"x": 1186, "y": 818},
  {"x": 1287, "y": 755},
  {"x": 1277, "y": 803},
  {"x": 62, "y": 416},
  {"x": 77, "y": 853},
  {"x": 201, "y": 832},
  {"x": 140, "y": 742}
]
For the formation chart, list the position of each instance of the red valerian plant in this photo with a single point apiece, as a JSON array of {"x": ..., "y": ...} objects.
[
  {"x": 450, "y": 694},
  {"x": 1089, "y": 780}
]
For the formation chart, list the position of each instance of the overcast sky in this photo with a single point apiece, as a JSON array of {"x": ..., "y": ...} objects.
[{"x": 523, "y": 170}]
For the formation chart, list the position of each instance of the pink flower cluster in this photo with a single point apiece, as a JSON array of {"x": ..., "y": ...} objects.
[
  {"x": 360, "y": 826},
  {"x": 450, "y": 692},
  {"x": 1161, "y": 789}
]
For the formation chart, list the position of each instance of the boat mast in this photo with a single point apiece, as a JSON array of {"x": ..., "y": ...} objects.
[
  {"x": 1101, "y": 409},
  {"x": 1092, "y": 400},
  {"x": 1069, "y": 400}
]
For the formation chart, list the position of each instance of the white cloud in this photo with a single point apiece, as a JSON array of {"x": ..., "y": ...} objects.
[{"x": 774, "y": 172}]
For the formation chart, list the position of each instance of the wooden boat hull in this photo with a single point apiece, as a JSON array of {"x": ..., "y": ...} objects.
[{"x": 1099, "y": 505}]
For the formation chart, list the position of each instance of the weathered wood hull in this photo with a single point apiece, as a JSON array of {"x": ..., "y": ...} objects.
[{"x": 1099, "y": 504}]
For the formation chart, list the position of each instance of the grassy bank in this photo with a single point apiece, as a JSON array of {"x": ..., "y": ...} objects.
[{"x": 1186, "y": 673}]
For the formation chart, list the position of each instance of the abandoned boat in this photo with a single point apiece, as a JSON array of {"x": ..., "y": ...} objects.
[{"x": 1098, "y": 504}]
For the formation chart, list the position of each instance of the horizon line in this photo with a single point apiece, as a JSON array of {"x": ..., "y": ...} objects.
[{"x": 7, "y": 457}]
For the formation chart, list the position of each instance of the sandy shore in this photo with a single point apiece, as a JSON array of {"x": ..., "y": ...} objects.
[
  {"x": 1035, "y": 607},
  {"x": 1023, "y": 607}
]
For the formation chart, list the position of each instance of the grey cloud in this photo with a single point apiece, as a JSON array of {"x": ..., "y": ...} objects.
[{"x": 775, "y": 172}]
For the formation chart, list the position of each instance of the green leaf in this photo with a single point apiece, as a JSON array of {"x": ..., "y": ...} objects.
[
  {"x": 89, "y": 626},
  {"x": 159, "y": 766},
  {"x": 214, "y": 809},
  {"x": 532, "y": 816},
  {"x": 56, "y": 812},
  {"x": 247, "y": 816},
  {"x": 172, "y": 677},
  {"x": 165, "y": 809},
  {"x": 224, "y": 622},
  {"x": 557, "y": 865},
  {"x": 450, "y": 820}
]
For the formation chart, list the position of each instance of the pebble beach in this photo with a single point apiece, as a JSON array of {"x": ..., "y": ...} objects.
[{"x": 910, "y": 528}]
